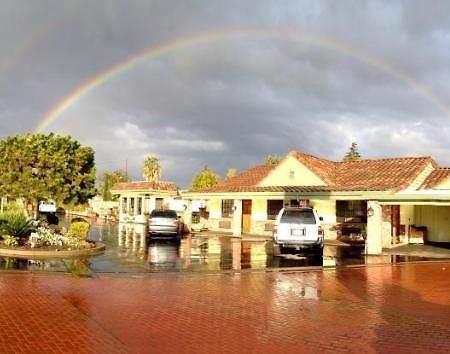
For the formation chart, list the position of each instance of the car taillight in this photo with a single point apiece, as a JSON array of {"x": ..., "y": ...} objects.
[
  {"x": 149, "y": 221},
  {"x": 176, "y": 222},
  {"x": 320, "y": 231}
]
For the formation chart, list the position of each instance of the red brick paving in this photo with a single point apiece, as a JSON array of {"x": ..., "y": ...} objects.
[{"x": 386, "y": 309}]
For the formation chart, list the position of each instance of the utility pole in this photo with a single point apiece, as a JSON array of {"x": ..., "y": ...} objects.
[{"x": 126, "y": 169}]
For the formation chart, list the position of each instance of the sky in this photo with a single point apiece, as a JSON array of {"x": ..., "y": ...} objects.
[{"x": 223, "y": 84}]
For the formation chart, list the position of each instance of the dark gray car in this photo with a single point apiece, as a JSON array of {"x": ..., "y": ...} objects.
[{"x": 164, "y": 223}]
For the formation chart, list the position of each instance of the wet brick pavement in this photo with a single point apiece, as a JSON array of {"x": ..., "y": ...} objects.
[{"x": 386, "y": 309}]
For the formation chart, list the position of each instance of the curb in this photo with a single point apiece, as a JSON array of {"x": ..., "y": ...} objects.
[{"x": 36, "y": 253}]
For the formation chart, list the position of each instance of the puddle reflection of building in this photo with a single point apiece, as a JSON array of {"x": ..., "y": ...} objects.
[
  {"x": 163, "y": 254},
  {"x": 202, "y": 251},
  {"x": 236, "y": 247},
  {"x": 253, "y": 255},
  {"x": 132, "y": 240},
  {"x": 185, "y": 251}
]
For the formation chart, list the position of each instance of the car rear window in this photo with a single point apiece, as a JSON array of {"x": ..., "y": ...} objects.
[
  {"x": 298, "y": 217},
  {"x": 163, "y": 214}
]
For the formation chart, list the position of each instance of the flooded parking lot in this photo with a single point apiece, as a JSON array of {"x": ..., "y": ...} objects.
[{"x": 128, "y": 250}]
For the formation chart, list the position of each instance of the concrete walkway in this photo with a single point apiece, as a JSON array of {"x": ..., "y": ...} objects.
[
  {"x": 424, "y": 251},
  {"x": 377, "y": 309}
]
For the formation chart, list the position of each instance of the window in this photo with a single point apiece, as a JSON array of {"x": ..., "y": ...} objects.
[
  {"x": 299, "y": 202},
  {"x": 164, "y": 214},
  {"x": 227, "y": 208},
  {"x": 273, "y": 207},
  {"x": 298, "y": 217}
]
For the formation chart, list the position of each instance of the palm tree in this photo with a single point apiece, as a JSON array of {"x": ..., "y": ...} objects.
[{"x": 152, "y": 169}]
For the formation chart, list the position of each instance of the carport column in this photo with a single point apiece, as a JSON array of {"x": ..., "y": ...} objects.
[
  {"x": 237, "y": 217},
  {"x": 187, "y": 216},
  {"x": 142, "y": 205},
  {"x": 374, "y": 228},
  {"x": 120, "y": 207}
]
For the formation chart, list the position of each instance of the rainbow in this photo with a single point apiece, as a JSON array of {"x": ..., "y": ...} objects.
[{"x": 202, "y": 39}]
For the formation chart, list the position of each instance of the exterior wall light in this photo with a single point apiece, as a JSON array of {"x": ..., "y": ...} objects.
[{"x": 370, "y": 212}]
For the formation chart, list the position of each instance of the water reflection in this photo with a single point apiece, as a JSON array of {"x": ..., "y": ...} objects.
[
  {"x": 163, "y": 255},
  {"x": 128, "y": 249}
]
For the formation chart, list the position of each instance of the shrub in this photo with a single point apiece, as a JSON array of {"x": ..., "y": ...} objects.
[
  {"x": 15, "y": 224},
  {"x": 47, "y": 237},
  {"x": 79, "y": 230},
  {"x": 9, "y": 240},
  {"x": 80, "y": 207},
  {"x": 77, "y": 219}
]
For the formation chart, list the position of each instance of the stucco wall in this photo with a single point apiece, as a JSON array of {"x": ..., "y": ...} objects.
[
  {"x": 302, "y": 175},
  {"x": 259, "y": 223},
  {"x": 259, "y": 209},
  {"x": 327, "y": 210},
  {"x": 437, "y": 221},
  {"x": 215, "y": 208}
]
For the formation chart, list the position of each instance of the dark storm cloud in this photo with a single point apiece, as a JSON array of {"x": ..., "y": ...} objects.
[{"x": 373, "y": 72}]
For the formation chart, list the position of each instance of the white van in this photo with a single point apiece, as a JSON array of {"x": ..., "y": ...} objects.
[
  {"x": 47, "y": 207},
  {"x": 298, "y": 228}
]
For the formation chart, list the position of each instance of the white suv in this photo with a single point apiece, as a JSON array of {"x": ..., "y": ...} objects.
[{"x": 298, "y": 227}]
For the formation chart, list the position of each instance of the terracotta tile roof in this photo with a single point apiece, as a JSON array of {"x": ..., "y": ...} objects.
[
  {"x": 390, "y": 174},
  {"x": 323, "y": 168},
  {"x": 439, "y": 175},
  {"x": 144, "y": 186},
  {"x": 287, "y": 189},
  {"x": 380, "y": 175},
  {"x": 247, "y": 179}
]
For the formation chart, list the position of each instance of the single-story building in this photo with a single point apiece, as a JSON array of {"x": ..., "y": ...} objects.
[
  {"x": 137, "y": 199},
  {"x": 383, "y": 201}
]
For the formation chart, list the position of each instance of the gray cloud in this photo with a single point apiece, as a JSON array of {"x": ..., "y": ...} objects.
[{"x": 375, "y": 72}]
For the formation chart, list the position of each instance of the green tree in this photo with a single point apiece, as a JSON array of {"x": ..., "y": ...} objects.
[
  {"x": 353, "y": 153},
  {"x": 152, "y": 169},
  {"x": 204, "y": 179},
  {"x": 231, "y": 173},
  {"x": 108, "y": 180},
  {"x": 272, "y": 159},
  {"x": 39, "y": 167}
]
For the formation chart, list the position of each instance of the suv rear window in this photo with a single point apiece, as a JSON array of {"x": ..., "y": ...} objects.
[
  {"x": 298, "y": 217},
  {"x": 163, "y": 214}
]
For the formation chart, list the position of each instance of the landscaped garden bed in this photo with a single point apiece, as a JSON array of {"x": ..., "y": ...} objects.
[{"x": 23, "y": 237}]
